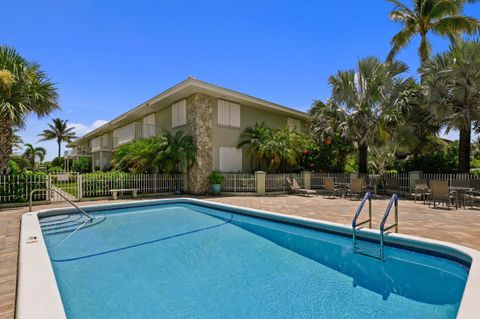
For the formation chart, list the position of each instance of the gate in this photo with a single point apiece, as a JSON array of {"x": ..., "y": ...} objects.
[{"x": 67, "y": 183}]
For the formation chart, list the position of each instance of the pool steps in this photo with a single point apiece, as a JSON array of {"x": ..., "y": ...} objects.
[{"x": 369, "y": 249}]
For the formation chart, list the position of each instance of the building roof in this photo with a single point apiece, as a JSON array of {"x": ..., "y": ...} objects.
[{"x": 183, "y": 90}]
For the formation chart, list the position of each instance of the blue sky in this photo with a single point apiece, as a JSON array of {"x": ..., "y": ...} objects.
[{"x": 109, "y": 56}]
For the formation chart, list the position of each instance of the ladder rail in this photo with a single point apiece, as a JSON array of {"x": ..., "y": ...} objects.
[
  {"x": 368, "y": 196},
  {"x": 383, "y": 229},
  {"x": 61, "y": 195}
]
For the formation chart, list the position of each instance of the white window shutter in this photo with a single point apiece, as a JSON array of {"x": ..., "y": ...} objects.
[
  {"x": 222, "y": 112},
  {"x": 234, "y": 119},
  {"x": 230, "y": 159},
  {"x": 175, "y": 115},
  {"x": 182, "y": 112}
]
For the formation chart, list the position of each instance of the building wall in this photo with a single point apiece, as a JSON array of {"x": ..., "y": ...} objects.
[
  {"x": 231, "y": 136},
  {"x": 202, "y": 124}
]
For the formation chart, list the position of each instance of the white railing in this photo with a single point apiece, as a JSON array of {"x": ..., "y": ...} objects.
[
  {"x": 279, "y": 183},
  {"x": 239, "y": 183},
  {"x": 100, "y": 184},
  {"x": 318, "y": 179},
  {"x": 16, "y": 188}
]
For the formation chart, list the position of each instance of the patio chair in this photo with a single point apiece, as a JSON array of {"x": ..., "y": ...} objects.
[
  {"x": 421, "y": 190},
  {"x": 371, "y": 185},
  {"x": 440, "y": 193},
  {"x": 296, "y": 189},
  {"x": 330, "y": 189},
  {"x": 356, "y": 187},
  {"x": 459, "y": 183}
]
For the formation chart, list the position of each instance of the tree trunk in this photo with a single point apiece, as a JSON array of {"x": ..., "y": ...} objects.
[
  {"x": 363, "y": 158},
  {"x": 6, "y": 134},
  {"x": 59, "y": 148},
  {"x": 464, "y": 150}
]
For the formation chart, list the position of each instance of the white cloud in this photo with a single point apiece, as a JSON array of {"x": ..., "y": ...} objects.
[{"x": 82, "y": 129}]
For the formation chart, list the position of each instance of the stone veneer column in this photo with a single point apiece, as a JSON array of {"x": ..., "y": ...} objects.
[{"x": 200, "y": 126}]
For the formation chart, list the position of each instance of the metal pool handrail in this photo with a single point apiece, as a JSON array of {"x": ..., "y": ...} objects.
[
  {"x": 61, "y": 195},
  {"x": 383, "y": 229},
  {"x": 368, "y": 196}
]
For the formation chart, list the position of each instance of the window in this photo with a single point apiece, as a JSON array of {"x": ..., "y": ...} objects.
[
  {"x": 228, "y": 113},
  {"x": 230, "y": 159},
  {"x": 124, "y": 134},
  {"x": 179, "y": 113},
  {"x": 293, "y": 124},
  {"x": 96, "y": 143},
  {"x": 148, "y": 125}
]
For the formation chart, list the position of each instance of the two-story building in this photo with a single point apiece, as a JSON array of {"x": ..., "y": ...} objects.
[{"x": 215, "y": 117}]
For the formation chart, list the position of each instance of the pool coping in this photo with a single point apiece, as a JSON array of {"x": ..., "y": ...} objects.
[{"x": 38, "y": 295}]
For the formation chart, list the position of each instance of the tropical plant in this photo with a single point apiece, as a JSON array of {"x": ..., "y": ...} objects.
[
  {"x": 82, "y": 165},
  {"x": 180, "y": 152},
  {"x": 16, "y": 141},
  {"x": 58, "y": 161},
  {"x": 58, "y": 131},
  {"x": 452, "y": 84},
  {"x": 274, "y": 147},
  {"x": 167, "y": 153},
  {"x": 441, "y": 17},
  {"x": 32, "y": 153},
  {"x": 215, "y": 178},
  {"x": 24, "y": 89},
  {"x": 364, "y": 106}
]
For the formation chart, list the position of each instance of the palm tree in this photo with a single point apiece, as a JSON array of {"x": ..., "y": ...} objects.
[
  {"x": 180, "y": 152},
  {"x": 32, "y": 153},
  {"x": 142, "y": 156},
  {"x": 59, "y": 131},
  {"x": 24, "y": 89},
  {"x": 273, "y": 146},
  {"x": 363, "y": 104},
  {"x": 253, "y": 137},
  {"x": 441, "y": 17},
  {"x": 452, "y": 85}
]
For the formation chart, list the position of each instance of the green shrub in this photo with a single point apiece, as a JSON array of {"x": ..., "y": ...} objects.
[
  {"x": 55, "y": 169},
  {"x": 21, "y": 161},
  {"x": 17, "y": 187},
  {"x": 13, "y": 167},
  {"x": 215, "y": 178},
  {"x": 82, "y": 165},
  {"x": 58, "y": 161}
]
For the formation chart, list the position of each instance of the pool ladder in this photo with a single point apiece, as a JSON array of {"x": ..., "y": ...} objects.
[{"x": 372, "y": 249}]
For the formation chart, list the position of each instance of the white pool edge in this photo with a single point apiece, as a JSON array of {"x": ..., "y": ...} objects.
[{"x": 38, "y": 296}]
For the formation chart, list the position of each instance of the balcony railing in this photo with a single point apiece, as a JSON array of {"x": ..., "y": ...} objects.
[{"x": 136, "y": 132}]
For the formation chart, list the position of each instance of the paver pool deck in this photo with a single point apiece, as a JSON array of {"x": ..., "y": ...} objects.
[{"x": 457, "y": 226}]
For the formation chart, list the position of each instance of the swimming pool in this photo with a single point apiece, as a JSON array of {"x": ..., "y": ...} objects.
[{"x": 189, "y": 258}]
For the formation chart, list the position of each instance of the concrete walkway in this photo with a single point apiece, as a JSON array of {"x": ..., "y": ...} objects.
[{"x": 457, "y": 226}]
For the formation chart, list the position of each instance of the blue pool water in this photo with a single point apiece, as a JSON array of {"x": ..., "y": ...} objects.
[{"x": 189, "y": 261}]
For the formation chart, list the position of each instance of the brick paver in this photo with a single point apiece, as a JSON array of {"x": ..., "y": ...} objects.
[{"x": 456, "y": 226}]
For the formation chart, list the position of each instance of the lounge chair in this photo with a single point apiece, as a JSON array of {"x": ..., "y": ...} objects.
[
  {"x": 440, "y": 193},
  {"x": 356, "y": 187},
  {"x": 330, "y": 189},
  {"x": 296, "y": 189},
  {"x": 421, "y": 190}
]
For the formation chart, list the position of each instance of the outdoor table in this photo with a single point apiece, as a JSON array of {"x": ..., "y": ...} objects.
[{"x": 461, "y": 191}]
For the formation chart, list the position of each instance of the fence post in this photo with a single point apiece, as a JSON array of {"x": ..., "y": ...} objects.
[
  {"x": 413, "y": 175},
  {"x": 307, "y": 178},
  {"x": 80, "y": 186},
  {"x": 260, "y": 182}
]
